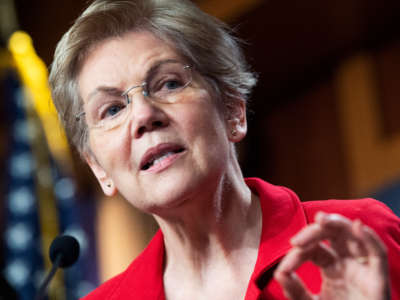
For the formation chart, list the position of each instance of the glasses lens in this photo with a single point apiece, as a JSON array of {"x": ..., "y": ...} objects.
[
  {"x": 168, "y": 81},
  {"x": 106, "y": 111}
]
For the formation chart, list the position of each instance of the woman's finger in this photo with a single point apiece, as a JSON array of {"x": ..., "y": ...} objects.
[
  {"x": 372, "y": 241},
  {"x": 326, "y": 226},
  {"x": 309, "y": 235},
  {"x": 356, "y": 245},
  {"x": 340, "y": 232},
  {"x": 320, "y": 254},
  {"x": 292, "y": 286},
  {"x": 375, "y": 248},
  {"x": 293, "y": 259}
]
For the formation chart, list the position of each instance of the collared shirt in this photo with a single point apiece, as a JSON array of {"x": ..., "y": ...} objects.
[{"x": 283, "y": 216}]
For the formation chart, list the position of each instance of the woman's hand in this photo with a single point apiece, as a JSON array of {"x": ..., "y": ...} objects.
[{"x": 351, "y": 256}]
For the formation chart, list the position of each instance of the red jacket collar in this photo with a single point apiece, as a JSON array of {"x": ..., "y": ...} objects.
[{"x": 283, "y": 217}]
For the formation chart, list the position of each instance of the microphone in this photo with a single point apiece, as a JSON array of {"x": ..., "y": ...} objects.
[{"x": 64, "y": 252}]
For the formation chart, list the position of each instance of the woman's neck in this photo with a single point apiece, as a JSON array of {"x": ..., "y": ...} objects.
[{"x": 217, "y": 234}]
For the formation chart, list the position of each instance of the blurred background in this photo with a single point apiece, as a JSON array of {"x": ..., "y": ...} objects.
[{"x": 323, "y": 121}]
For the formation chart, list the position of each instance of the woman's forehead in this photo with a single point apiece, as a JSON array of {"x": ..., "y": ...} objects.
[
  {"x": 121, "y": 60},
  {"x": 134, "y": 49}
]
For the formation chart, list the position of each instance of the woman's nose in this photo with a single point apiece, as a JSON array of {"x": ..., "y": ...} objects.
[{"x": 146, "y": 116}]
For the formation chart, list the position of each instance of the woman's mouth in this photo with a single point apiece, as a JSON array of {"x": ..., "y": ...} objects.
[{"x": 159, "y": 157}]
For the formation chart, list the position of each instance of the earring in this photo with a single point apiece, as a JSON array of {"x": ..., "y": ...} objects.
[{"x": 108, "y": 185}]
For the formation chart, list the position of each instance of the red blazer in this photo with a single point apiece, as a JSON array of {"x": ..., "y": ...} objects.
[{"x": 283, "y": 216}]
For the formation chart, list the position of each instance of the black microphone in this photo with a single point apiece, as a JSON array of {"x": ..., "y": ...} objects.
[{"x": 64, "y": 252}]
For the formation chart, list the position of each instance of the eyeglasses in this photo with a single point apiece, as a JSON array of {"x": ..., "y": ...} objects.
[{"x": 108, "y": 108}]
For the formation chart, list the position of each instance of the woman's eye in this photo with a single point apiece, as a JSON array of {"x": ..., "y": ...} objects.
[
  {"x": 172, "y": 84},
  {"x": 165, "y": 84},
  {"x": 113, "y": 110}
]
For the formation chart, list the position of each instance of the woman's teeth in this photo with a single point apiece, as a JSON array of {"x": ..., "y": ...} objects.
[
  {"x": 156, "y": 161},
  {"x": 161, "y": 157}
]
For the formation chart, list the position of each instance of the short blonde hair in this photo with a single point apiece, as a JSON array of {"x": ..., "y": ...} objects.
[{"x": 204, "y": 41}]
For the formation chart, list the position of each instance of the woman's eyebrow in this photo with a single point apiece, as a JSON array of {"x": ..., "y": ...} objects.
[
  {"x": 158, "y": 63},
  {"x": 116, "y": 91},
  {"x": 105, "y": 90}
]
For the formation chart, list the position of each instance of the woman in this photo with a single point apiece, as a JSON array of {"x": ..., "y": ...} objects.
[{"x": 153, "y": 95}]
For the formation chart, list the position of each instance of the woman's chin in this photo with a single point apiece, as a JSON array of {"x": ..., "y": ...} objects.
[
  {"x": 166, "y": 208},
  {"x": 172, "y": 196},
  {"x": 174, "y": 190}
]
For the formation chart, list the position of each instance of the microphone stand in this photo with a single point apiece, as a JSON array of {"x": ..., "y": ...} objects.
[
  {"x": 64, "y": 252},
  {"x": 42, "y": 290}
]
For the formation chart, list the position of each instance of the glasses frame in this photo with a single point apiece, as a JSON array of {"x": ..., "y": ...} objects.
[{"x": 145, "y": 92}]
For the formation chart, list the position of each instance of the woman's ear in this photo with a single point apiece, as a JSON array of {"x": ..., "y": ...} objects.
[
  {"x": 236, "y": 120},
  {"x": 105, "y": 181}
]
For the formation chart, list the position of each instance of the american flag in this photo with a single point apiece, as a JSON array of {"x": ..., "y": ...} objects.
[{"x": 40, "y": 201}]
